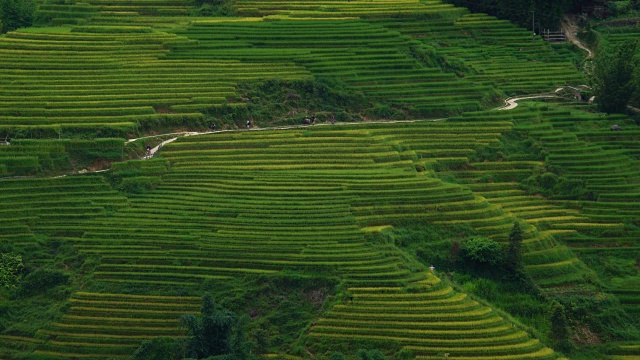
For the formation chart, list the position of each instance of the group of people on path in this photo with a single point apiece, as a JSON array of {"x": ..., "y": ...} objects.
[
  {"x": 307, "y": 121},
  {"x": 312, "y": 120}
]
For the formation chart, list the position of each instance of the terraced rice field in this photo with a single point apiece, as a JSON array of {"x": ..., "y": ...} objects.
[
  {"x": 237, "y": 205},
  {"x": 113, "y": 81},
  {"x": 259, "y": 202},
  {"x": 253, "y": 203},
  {"x": 507, "y": 58},
  {"x": 126, "y": 66}
]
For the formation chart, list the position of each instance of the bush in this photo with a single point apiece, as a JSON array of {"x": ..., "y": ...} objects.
[
  {"x": 482, "y": 251},
  {"x": 162, "y": 348},
  {"x": 139, "y": 184},
  {"x": 41, "y": 280},
  {"x": 10, "y": 268},
  {"x": 557, "y": 187}
]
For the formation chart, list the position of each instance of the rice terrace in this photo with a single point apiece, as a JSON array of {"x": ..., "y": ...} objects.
[{"x": 331, "y": 179}]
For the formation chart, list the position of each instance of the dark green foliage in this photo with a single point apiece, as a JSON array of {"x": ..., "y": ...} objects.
[
  {"x": 559, "y": 332},
  {"x": 482, "y": 252},
  {"x": 215, "y": 332},
  {"x": 615, "y": 76},
  {"x": 603, "y": 315},
  {"x": 137, "y": 177},
  {"x": 281, "y": 306},
  {"x": 16, "y": 14},
  {"x": 214, "y": 8},
  {"x": 337, "y": 356},
  {"x": 511, "y": 143},
  {"x": 432, "y": 244},
  {"x": 41, "y": 280},
  {"x": 139, "y": 184},
  {"x": 514, "y": 251},
  {"x": 211, "y": 331},
  {"x": 557, "y": 187},
  {"x": 548, "y": 13},
  {"x": 289, "y": 102},
  {"x": 10, "y": 268},
  {"x": 370, "y": 355},
  {"x": 162, "y": 348}
]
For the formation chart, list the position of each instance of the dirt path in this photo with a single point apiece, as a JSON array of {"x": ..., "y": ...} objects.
[
  {"x": 512, "y": 102},
  {"x": 194, "y": 133},
  {"x": 570, "y": 30}
]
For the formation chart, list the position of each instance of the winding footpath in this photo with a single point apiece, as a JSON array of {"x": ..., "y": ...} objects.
[{"x": 510, "y": 103}]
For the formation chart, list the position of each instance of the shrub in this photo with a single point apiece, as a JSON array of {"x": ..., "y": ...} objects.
[
  {"x": 162, "y": 348},
  {"x": 482, "y": 251},
  {"x": 41, "y": 280},
  {"x": 139, "y": 184},
  {"x": 370, "y": 355},
  {"x": 10, "y": 268}
]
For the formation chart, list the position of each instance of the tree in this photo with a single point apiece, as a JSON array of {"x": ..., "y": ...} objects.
[
  {"x": 548, "y": 13},
  {"x": 211, "y": 332},
  {"x": 559, "y": 332},
  {"x": 614, "y": 77},
  {"x": 16, "y": 14},
  {"x": 482, "y": 251},
  {"x": 216, "y": 332},
  {"x": 514, "y": 251}
]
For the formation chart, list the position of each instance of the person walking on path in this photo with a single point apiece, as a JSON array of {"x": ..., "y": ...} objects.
[{"x": 248, "y": 124}]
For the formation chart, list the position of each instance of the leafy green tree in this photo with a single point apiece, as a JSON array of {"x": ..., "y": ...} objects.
[
  {"x": 16, "y": 14},
  {"x": 211, "y": 332},
  {"x": 10, "y": 268},
  {"x": 615, "y": 77},
  {"x": 240, "y": 347},
  {"x": 216, "y": 333},
  {"x": 482, "y": 251},
  {"x": 559, "y": 332},
  {"x": 514, "y": 251}
]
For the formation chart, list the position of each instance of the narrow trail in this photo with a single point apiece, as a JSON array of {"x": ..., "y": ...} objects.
[
  {"x": 512, "y": 102},
  {"x": 292, "y": 127},
  {"x": 568, "y": 26},
  {"x": 570, "y": 30}
]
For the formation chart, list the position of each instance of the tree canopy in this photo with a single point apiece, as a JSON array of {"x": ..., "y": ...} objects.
[
  {"x": 16, "y": 14},
  {"x": 548, "y": 13},
  {"x": 615, "y": 76}
]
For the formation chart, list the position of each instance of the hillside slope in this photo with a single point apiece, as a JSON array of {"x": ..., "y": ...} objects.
[{"x": 296, "y": 227}]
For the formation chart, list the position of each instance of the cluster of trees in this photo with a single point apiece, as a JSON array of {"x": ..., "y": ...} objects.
[
  {"x": 486, "y": 255},
  {"x": 16, "y": 14},
  {"x": 616, "y": 76},
  {"x": 548, "y": 13},
  {"x": 215, "y": 333}
]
